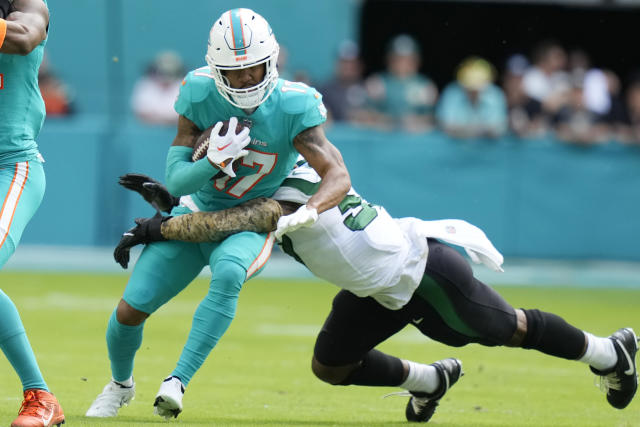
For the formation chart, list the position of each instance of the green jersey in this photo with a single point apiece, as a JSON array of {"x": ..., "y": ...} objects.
[
  {"x": 291, "y": 108},
  {"x": 21, "y": 106}
]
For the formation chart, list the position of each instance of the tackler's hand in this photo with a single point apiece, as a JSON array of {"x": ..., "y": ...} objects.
[
  {"x": 224, "y": 149},
  {"x": 147, "y": 230},
  {"x": 151, "y": 190},
  {"x": 303, "y": 217}
]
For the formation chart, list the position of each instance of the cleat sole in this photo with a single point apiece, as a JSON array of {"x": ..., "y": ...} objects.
[{"x": 174, "y": 412}]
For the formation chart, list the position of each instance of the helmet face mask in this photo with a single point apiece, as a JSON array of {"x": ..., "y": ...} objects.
[{"x": 239, "y": 39}]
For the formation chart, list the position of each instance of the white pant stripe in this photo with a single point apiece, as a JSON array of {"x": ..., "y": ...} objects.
[
  {"x": 11, "y": 199},
  {"x": 262, "y": 257}
]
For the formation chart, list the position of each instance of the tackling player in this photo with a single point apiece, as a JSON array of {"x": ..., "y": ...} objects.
[
  {"x": 23, "y": 34},
  {"x": 390, "y": 278},
  {"x": 241, "y": 80}
]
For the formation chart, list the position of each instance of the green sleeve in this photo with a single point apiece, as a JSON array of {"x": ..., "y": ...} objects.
[{"x": 184, "y": 176}]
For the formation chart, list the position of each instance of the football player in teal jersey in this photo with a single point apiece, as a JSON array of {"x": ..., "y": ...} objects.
[
  {"x": 240, "y": 82},
  {"x": 23, "y": 34}
]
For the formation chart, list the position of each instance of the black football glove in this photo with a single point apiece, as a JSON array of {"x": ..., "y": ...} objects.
[
  {"x": 151, "y": 190},
  {"x": 147, "y": 230}
]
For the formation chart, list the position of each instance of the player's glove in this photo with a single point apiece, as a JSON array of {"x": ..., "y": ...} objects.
[
  {"x": 147, "y": 230},
  {"x": 151, "y": 190},
  {"x": 303, "y": 217},
  {"x": 224, "y": 150}
]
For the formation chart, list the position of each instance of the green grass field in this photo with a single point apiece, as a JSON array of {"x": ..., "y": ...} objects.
[{"x": 259, "y": 374}]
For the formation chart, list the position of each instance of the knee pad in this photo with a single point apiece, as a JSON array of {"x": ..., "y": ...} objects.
[
  {"x": 227, "y": 278},
  {"x": 334, "y": 375}
]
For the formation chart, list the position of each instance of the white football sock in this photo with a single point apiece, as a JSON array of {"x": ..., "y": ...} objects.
[
  {"x": 421, "y": 378},
  {"x": 600, "y": 353},
  {"x": 126, "y": 383}
]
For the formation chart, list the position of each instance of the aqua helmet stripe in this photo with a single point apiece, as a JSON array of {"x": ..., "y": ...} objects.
[{"x": 237, "y": 32}]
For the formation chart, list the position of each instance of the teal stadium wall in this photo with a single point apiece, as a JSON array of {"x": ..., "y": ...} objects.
[
  {"x": 535, "y": 198},
  {"x": 538, "y": 198}
]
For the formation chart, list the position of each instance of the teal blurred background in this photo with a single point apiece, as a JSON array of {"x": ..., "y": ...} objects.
[{"x": 534, "y": 198}]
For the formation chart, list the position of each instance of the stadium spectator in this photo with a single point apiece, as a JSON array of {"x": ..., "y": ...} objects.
[
  {"x": 23, "y": 36},
  {"x": 403, "y": 97},
  {"x": 524, "y": 113},
  {"x": 616, "y": 115},
  {"x": 547, "y": 80},
  {"x": 56, "y": 94},
  {"x": 155, "y": 93},
  {"x": 344, "y": 94},
  {"x": 472, "y": 106},
  {"x": 630, "y": 128},
  {"x": 576, "y": 123},
  {"x": 594, "y": 82},
  {"x": 601, "y": 87}
]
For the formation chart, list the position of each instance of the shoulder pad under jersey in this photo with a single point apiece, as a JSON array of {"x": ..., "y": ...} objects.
[
  {"x": 296, "y": 97},
  {"x": 198, "y": 84}
]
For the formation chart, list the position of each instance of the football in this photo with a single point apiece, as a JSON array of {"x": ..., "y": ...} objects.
[{"x": 202, "y": 144}]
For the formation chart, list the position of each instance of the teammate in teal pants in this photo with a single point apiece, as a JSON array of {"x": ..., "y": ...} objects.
[{"x": 23, "y": 34}]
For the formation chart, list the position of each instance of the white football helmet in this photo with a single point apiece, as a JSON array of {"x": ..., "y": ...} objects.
[{"x": 241, "y": 38}]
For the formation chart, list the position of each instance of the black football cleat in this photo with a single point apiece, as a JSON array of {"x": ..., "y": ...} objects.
[
  {"x": 421, "y": 406},
  {"x": 621, "y": 381}
]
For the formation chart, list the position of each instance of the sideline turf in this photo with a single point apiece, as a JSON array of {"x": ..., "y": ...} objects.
[{"x": 260, "y": 372}]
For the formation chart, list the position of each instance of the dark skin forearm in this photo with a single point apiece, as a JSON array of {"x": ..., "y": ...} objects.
[
  {"x": 188, "y": 133},
  {"x": 325, "y": 158},
  {"x": 258, "y": 215},
  {"x": 26, "y": 27}
]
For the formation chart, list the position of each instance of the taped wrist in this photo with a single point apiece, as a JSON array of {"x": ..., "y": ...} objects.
[
  {"x": 552, "y": 335},
  {"x": 154, "y": 228}
]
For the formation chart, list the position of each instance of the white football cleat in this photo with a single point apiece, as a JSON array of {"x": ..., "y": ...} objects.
[
  {"x": 113, "y": 397},
  {"x": 168, "y": 401}
]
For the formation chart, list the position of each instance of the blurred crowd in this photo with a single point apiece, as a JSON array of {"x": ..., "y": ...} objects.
[{"x": 551, "y": 92}]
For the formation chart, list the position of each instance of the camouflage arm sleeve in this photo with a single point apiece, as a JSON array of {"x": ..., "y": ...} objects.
[{"x": 258, "y": 215}]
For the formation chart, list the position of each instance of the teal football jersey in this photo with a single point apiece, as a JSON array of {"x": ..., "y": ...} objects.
[
  {"x": 21, "y": 106},
  {"x": 291, "y": 108}
]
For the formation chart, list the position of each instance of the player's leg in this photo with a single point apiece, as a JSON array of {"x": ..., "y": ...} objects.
[
  {"x": 22, "y": 187},
  {"x": 345, "y": 354},
  {"x": 162, "y": 271},
  {"x": 474, "y": 310},
  {"x": 232, "y": 261}
]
